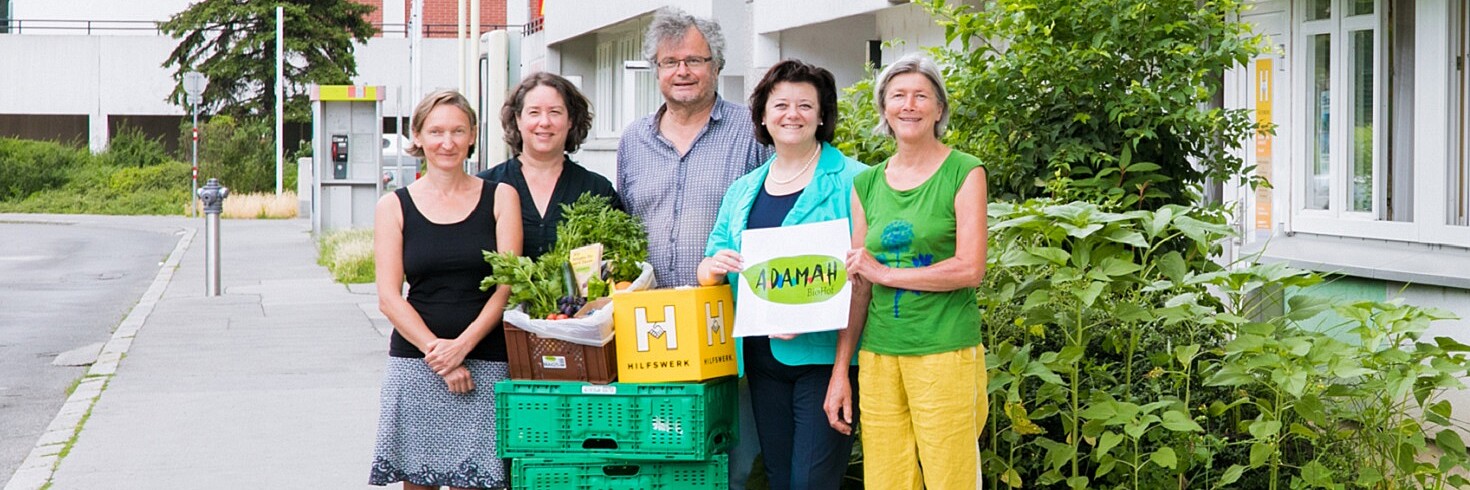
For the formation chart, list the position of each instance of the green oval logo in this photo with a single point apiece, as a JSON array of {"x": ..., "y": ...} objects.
[{"x": 798, "y": 280}]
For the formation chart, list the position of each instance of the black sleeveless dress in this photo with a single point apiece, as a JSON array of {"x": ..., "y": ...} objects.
[
  {"x": 444, "y": 265},
  {"x": 427, "y": 435}
]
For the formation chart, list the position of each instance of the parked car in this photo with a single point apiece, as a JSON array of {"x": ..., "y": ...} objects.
[{"x": 395, "y": 150}]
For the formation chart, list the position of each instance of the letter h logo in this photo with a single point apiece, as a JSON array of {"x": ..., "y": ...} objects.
[
  {"x": 715, "y": 323},
  {"x": 646, "y": 329}
]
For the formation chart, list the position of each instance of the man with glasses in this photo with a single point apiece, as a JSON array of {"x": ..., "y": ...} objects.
[{"x": 674, "y": 165}]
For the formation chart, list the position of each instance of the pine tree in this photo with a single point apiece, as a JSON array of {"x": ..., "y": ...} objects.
[{"x": 233, "y": 43}]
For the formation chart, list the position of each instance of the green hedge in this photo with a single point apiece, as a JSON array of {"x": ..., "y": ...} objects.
[{"x": 134, "y": 176}]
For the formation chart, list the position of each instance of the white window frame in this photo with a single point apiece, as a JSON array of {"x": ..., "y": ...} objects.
[
  {"x": 1337, "y": 219},
  {"x": 1435, "y": 138},
  {"x": 615, "y": 103}
]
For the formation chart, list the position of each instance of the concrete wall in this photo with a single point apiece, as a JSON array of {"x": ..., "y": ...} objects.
[
  {"x": 34, "y": 11},
  {"x": 808, "y": 12},
  {"x": 911, "y": 24},
  {"x": 103, "y": 75},
  {"x": 384, "y": 61},
  {"x": 839, "y": 46},
  {"x": 577, "y": 17}
]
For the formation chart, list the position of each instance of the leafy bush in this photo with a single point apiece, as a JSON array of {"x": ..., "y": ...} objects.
[
  {"x": 348, "y": 254},
  {"x": 240, "y": 153},
  {"x": 857, "y": 115},
  {"x": 1113, "y": 95},
  {"x": 165, "y": 176},
  {"x": 52, "y": 178},
  {"x": 1121, "y": 356},
  {"x": 34, "y": 166},
  {"x": 130, "y": 147}
]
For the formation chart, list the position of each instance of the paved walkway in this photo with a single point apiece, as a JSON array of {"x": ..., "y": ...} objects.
[{"x": 272, "y": 384}]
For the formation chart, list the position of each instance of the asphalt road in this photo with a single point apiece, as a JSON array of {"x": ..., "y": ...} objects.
[{"x": 63, "y": 285}]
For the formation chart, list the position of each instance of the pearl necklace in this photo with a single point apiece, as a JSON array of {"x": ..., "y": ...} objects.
[{"x": 798, "y": 173}]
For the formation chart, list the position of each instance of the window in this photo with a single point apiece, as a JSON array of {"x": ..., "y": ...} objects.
[
  {"x": 1380, "y": 120},
  {"x": 4, "y": 16},
  {"x": 1460, "y": 151},
  {"x": 626, "y": 88},
  {"x": 1342, "y": 51}
]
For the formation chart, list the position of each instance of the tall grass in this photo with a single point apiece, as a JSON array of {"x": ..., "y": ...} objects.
[
  {"x": 261, "y": 205},
  {"x": 348, "y": 254}
]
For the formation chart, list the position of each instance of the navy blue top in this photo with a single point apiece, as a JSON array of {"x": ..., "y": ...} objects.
[
  {"x": 770, "y": 211},
  {"x": 539, "y": 232}
]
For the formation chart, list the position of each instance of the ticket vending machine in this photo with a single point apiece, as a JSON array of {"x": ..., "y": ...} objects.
[{"x": 347, "y": 133}]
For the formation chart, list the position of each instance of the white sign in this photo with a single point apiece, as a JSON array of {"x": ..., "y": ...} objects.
[
  {"x": 194, "y": 83},
  {"x": 794, "y": 279}
]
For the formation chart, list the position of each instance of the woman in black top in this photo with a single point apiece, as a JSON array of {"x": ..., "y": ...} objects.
[
  {"x": 437, "y": 420},
  {"x": 545, "y": 118}
]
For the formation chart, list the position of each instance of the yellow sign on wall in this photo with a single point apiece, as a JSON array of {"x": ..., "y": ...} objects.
[
  {"x": 674, "y": 334},
  {"x": 1265, "y": 86},
  {"x": 346, "y": 93}
]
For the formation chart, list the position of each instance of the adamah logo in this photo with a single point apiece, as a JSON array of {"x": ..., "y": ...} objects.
[{"x": 798, "y": 280}]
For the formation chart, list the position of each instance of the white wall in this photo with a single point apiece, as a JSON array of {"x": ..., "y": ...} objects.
[
  {"x": 384, "y": 61},
  {"x": 123, "y": 75},
  {"x": 75, "y": 10},
  {"x": 780, "y": 15},
  {"x": 577, "y": 17},
  {"x": 839, "y": 46},
  {"x": 911, "y": 24}
]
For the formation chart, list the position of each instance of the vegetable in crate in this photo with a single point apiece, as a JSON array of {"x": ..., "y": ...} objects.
[
  {"x": 535, "y": 285},
  {"x": 592, "y": 219},
  {"x": 538, "y": 285}
]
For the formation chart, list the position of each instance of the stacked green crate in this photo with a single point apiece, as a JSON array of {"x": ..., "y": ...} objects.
[{"x": 614, "y": 436}]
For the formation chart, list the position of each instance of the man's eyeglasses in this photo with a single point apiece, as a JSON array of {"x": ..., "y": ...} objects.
[{"x": 693, "y": 63}]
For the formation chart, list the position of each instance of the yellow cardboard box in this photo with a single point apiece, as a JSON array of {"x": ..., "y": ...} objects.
[{"x": 670, "y": 335}]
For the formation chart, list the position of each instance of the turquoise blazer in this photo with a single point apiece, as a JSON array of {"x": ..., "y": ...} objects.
[{"x": 827, "y": 197}]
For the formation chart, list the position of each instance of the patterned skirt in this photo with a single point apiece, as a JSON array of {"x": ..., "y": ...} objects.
[{"x": 429, "y": 436}]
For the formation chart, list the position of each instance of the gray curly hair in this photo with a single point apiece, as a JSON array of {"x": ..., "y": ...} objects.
[
  {"x": 911, "y": 63},
  {"x": 671, "y": 23}
]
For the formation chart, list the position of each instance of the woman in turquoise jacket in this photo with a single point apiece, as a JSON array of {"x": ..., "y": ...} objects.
[{"x": 807, "y": 181}]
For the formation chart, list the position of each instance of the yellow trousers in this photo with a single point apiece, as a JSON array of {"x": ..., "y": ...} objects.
[{"x": 922, "y": 418}]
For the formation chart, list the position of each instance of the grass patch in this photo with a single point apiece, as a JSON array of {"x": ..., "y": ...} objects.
[
  {"x": 66, "y": 449},
  {"x": 260, "y": 205},
  {"x": 77, "y": 432},
  {"x": 348, "y": 254}
]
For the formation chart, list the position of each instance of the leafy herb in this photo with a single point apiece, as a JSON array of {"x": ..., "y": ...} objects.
[
  {"x": 538, "y": 284},
  {"x": 592, "y": 219}
]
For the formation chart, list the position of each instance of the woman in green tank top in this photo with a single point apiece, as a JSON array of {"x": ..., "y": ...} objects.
[{"x": 918, "y": 253}]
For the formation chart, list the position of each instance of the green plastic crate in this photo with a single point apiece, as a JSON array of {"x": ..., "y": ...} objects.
[
  {"x": 632, "y": 421},
  {"x": 543, "y": 474}
]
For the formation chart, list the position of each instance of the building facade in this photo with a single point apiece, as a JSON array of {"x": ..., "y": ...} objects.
[
  {"x": 1370, "y": 162},
  {"x": 77, "y": 71},
  {"x": 599, "y": 45}
]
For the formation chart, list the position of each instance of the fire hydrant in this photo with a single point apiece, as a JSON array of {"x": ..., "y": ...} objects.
[{"x": 212, "y": 195}]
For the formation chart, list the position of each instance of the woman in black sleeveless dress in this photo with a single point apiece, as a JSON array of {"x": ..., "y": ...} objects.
[{"x": 437, "y": 421}]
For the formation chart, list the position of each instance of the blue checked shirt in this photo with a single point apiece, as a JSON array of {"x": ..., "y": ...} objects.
[{"x": 677, "y": 197}]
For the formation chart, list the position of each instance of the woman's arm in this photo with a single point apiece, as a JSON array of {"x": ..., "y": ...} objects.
[
  {"x": 448, "y": 354},
  {"x": 388, "y": 268},
  {"x": 838, "y": 404},
  {"x": 965, "y": 270},
  {"x": 719, "y": 259}
]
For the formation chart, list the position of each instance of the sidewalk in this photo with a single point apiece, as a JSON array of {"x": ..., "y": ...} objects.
[{"x": 272, "y": 384}]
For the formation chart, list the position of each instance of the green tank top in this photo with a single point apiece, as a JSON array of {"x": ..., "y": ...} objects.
[{"x": 916, "y": 228}]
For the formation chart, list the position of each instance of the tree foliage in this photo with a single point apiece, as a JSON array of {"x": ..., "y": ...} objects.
[
  {"x": 1106, "y": 101},
  {"x": 233, "y": 43}
]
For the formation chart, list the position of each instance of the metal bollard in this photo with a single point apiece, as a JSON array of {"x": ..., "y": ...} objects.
[{"x": 212, "y": 195}]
